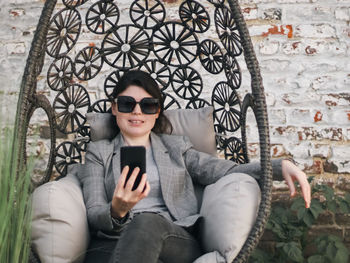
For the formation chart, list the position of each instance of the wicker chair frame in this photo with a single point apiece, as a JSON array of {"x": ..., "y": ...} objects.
[{"x": 29, "y": 100}]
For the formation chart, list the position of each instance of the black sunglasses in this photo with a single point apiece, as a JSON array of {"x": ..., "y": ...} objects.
[{"x": 127, "y": 104}]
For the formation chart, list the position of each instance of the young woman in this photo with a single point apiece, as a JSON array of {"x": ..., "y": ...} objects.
[{"x": 156, "y": 221}]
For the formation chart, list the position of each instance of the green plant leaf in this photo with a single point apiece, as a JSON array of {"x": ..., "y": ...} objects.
[
  {"x": 342, "y": 255},
  {"x": 301, "y": 212},
  {"x": 293, "y": 251},
  {"x": 298, "y": 203},
  {"x": 344, "y": 207},
  {"x": 347, "y": 198},
  {"x": 316, "y": 259},
  {"x": 308, "y": 219},
  {"x": 316, "y": 208},
  {"x": 328, "y": 192},
  {"x": 331, "y": 250},
  {"x": 332, "y": 206}
]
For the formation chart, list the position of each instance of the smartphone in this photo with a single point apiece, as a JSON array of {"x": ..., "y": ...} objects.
[{"x": 133, "y": 156}]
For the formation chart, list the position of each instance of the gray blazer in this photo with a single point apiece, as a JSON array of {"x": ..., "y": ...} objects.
[{"x": 179, "y": 166}]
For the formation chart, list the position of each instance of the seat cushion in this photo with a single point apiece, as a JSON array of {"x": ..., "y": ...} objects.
[
  {"x": 197, "y": 124},
  {"x": 60, "y": 230},
  {"x": 229, "y": 209}
]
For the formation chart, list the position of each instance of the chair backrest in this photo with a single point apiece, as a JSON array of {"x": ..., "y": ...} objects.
[{"x": 193, "y": 50}]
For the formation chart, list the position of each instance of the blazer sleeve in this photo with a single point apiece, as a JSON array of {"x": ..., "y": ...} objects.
[
  {"x": 207, "y": 169},
  {"x": 95, "y": 197}
]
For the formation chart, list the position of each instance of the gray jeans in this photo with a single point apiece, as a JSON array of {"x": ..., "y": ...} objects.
[{"x": 148, "y": 238}]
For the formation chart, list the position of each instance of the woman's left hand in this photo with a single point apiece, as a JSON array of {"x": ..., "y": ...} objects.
[{"x": 292, "y": 173}]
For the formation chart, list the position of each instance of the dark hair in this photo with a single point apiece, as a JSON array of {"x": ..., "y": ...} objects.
[{"x": 144, "y": 80}]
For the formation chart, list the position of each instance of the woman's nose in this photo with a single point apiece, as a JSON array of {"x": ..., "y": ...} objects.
[{"x": 137, "y": 109}]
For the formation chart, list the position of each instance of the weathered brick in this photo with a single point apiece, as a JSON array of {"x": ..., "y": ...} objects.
[
  {"x": 270, "y": 14},
  {"x": 342, "y": 13},
  {"x": 320, "y": 150},
  {"x": 16, "y": 48},
  {"x": 250, "y": 12},
  {"x": 316, "y": 231},
  {"x": 325, "y": 218},
  {"x": 292, "y": 48},
  {"x": 278, "y": 150},
  {"x": 342, "y": 219},
  {"x": 269, "y": 47},
  {"x": 315, "y": 31}
]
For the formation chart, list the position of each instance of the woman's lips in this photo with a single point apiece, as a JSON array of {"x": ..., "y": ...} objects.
[{"x": 136, "y": 122}]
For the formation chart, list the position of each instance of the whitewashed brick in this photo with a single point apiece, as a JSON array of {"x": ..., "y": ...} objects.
[
  {"x": 250, "y": 12},
  {"x": 269, "y": 47},
  {"x": 320, "y": 150},
  {"x": 309, "y": 13},
  {"x": 15, "y": 48},
  {"x": 292, "y": 48},
  {"x": 315, "y": 31},
  {"x": 342, "y": 13}
]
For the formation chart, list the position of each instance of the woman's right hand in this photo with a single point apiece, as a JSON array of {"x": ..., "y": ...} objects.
[{"x": 123, "y": 197}]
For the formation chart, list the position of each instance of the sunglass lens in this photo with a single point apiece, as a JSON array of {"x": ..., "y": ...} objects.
[
  {"x": 126, "y": 104},
  {"x": 149, "y": 105}
]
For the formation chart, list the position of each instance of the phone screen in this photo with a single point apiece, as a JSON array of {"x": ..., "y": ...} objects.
[{"x": 133, "y": 156}]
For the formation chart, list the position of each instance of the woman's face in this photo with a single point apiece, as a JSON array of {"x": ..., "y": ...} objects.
[{"x": 136, "y": 123}]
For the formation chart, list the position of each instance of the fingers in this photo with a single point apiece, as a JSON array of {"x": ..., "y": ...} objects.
[
  {"x": 142, "y": 185},
  {"x": 122, "y": 178},
  {"x": 306, "y": 190},
  {"x": 132, "y": 178},
  {"x": 291, "y": 185}
]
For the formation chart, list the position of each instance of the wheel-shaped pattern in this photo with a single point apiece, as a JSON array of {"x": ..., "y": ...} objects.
[
  {"x": 174, "y": 44},
  {"x": 63, "y": 32},
  {"x": 126, "y": 47},
  {"x": 211, "y": 56},
  {"x": 112, "y": 81},
  {"x": 227, "y": 30},
  {"x": 73, "y": 3},
  {"x": 70, "y": 106},
  {"x": 88, "y": 63},
  {"x": 60, "y": 73},
  {"x": 232, "y": 71},
  {"x": 66, "y": 153},
  {"x": 194, "y": 16},
  {"x": 197, "y": 103},
  {"x": 158, "y": 71},
  {"x": 147, "y": 14},
  {"x": 170, "y": 103},
  {"x": 227, "y": 106},
  {"x": 102, "y": 16},
  {"x": 186, "y": 83},
  {"x": 101, "y": 106},
  {"x": 234, "y": 150}
]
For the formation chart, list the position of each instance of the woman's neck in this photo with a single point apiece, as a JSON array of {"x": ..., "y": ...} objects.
[{"x": 137, "y": 141}]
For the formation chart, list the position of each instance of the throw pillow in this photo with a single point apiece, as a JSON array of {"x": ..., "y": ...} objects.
[
  {"x": 229, "y": 209},
  {"x": 60, "y": 230}
]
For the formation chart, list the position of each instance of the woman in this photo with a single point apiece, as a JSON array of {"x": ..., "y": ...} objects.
[{"x": 155, "y": 222}]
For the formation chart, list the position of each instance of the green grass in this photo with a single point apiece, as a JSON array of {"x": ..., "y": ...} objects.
[{"x": 15, "y": 204}]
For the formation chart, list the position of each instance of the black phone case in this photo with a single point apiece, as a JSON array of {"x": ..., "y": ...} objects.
[{"x": 133, "y": 156}]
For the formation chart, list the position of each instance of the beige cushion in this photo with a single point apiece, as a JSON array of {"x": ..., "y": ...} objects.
[
  {"x": 229, "y": 209},
  {"x": 197, "y": 124},
  {"x": 59, "y": 228}
]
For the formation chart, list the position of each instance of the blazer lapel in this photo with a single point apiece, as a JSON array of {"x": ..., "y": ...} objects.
[{"x": 113, "y": 166}]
